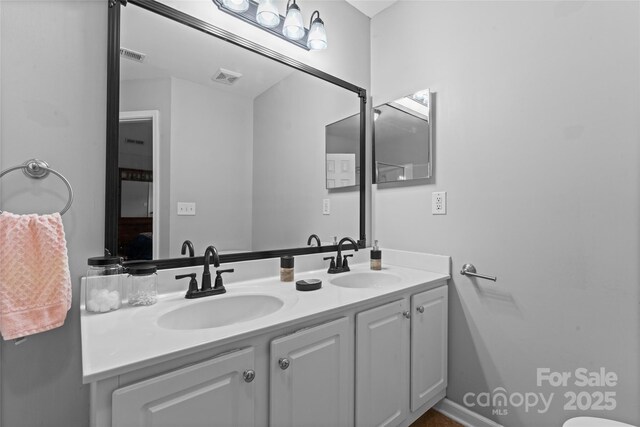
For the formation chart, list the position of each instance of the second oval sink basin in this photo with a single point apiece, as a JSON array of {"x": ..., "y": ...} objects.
[
  {"x": 365, "y": 280},
  {"x": 214, "y": 313}
]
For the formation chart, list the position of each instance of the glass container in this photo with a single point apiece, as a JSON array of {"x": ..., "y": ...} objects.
[
  {"x": 142, "y": 284},
  {"x": 103, "y": 289}
]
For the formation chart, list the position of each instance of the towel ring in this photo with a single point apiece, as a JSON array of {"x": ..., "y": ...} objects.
[{"x": 39, "y": 169}]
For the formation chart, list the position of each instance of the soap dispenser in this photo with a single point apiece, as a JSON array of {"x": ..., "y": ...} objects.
[{"x": 376, "y": 257}]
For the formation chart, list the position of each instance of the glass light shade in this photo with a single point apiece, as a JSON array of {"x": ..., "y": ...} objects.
[
  {"x": 236, "y": 5},
  {"x": 267, "y": 14},
  {"x": 293, "y": 26},
  {"x": 317, "y": 39}
]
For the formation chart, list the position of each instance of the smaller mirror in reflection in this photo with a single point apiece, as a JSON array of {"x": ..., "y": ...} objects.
[
  {"x": 343, "y": 153},
  {"x": 402, "y": 138}
]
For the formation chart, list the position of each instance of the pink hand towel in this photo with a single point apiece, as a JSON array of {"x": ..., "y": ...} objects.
[{"x": 35, "y": 284}]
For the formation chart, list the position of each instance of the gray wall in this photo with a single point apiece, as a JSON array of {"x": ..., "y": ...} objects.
[
  {"x": 53, "y": 86},
  {"x": 205, "y": 156},
  {"x": 211, "y": 164},
  {"x": 289, "y": 164},
  {"x": 537, "y": 146}
]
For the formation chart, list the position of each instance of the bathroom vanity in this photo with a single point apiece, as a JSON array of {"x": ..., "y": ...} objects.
[{"x": 368, "y": 348}]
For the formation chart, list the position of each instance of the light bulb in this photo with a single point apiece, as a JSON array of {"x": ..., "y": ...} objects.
[
  {"x": 293, "y": 27},
  {"x": 317, "y": 39},
  {"x": 267, "y": 14},
  {"x": 236, "y": 5}
]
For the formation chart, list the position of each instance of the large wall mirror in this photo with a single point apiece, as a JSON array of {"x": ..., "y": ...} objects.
[{"x": 219, "y": 141}]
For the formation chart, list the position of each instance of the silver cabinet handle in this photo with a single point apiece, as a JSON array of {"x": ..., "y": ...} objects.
[
  {"x": 420, "y": 309},
  {"x": 406, "y": 314},
  {"x": 470, "y": 270},
  {"x": 249, "y": 375},
  {"x": 284, "y": 363}
]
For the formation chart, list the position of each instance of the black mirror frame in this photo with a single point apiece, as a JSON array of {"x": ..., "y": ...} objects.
[{"x": 112, "y": 192}]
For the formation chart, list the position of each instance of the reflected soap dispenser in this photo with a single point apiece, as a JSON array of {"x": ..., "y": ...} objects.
[{"x": 376, "y": 257}]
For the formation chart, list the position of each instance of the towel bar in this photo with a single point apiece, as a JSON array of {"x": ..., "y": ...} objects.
[
  {"x": 39, "y": 169},
  {"x": 470, "y": 270}
]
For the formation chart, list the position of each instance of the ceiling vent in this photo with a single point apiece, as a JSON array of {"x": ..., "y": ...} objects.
[
  {"x": 132, "y": 54},
  {"x": 226, "y": 77}
]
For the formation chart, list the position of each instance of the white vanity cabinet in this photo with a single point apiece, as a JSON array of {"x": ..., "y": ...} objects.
[
  {"x": 311, "y": 377},
  {"x": 217, "y": 392},
  {"x": 373, "y": 362},
  {"x": 401, "y": 358}
]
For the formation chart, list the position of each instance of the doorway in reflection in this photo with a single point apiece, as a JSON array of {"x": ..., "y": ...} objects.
[{"x": 136, "y": 167}]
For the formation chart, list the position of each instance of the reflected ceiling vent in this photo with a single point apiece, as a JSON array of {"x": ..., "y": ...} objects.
[
  {"x": 132, "y": 54},
  {"x": 226, "y": 77}
]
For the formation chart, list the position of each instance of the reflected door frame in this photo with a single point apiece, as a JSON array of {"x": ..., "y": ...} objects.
[{"x": 154, "y": 116}]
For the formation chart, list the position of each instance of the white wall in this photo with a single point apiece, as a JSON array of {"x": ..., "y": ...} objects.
[
  {"x": 537, "y": 146},
  {"x": 289, "y": 164},
  {"x": 53, "y": 85},
  {"x": 211, "y": 165}
]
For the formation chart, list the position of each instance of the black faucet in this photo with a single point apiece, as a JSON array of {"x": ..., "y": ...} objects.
[
  {"x": 314, "y": 237},
  {"x": 341, "y": 264},
  {"x": 188, "y": 245},
  {"x": 206, "y": 274},
  {"x": 206, "y": 288}
]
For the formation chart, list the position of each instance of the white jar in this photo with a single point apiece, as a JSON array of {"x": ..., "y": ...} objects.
[{"x": 103, "y": 290}]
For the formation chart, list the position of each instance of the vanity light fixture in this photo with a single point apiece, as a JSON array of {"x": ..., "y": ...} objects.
[{"x": 264, "y": 14}]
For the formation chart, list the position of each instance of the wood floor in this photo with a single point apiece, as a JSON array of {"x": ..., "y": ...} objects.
[{"x": 433, "y": 418}]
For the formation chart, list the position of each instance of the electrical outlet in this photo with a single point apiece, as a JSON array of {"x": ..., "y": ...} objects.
[
  {"x": 439, "y": 203},
  {"x": 188, "y": 209},
  {"x": 326, "y": 207}
]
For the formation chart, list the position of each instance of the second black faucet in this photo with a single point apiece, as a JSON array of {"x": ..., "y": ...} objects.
[{"x": 340, "y": 265}]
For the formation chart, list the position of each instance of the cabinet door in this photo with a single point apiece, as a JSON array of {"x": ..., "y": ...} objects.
[
  {"x": 211, "y": 393},
  {"x": 312, "y": 377},
  {"x": 382, "y": 365},
  {"x": 428, "y": 345}
]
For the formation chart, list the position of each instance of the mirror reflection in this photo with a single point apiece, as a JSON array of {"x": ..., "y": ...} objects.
[
  {"x": 343, "y": 153},
  {"x": 239, "y": 158},
  {"x": 403, "y": 138}
]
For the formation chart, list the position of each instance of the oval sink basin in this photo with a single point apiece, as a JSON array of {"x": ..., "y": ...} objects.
[
  {"x": 365, "y": 280},
  {"x": 214, "y": 312}
]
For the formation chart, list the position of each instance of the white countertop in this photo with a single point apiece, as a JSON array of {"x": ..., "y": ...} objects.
[{"x": 130, "y": 338}]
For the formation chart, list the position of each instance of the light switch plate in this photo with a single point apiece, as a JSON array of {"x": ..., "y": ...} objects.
[
  {"x": 439, "y": 203},
  {"x": 188, "y": 209},
  {"x": 326, "y": 207}
]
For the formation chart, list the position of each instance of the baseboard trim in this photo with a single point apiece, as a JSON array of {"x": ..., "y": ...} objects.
[{"x": 463, "y": 415}]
